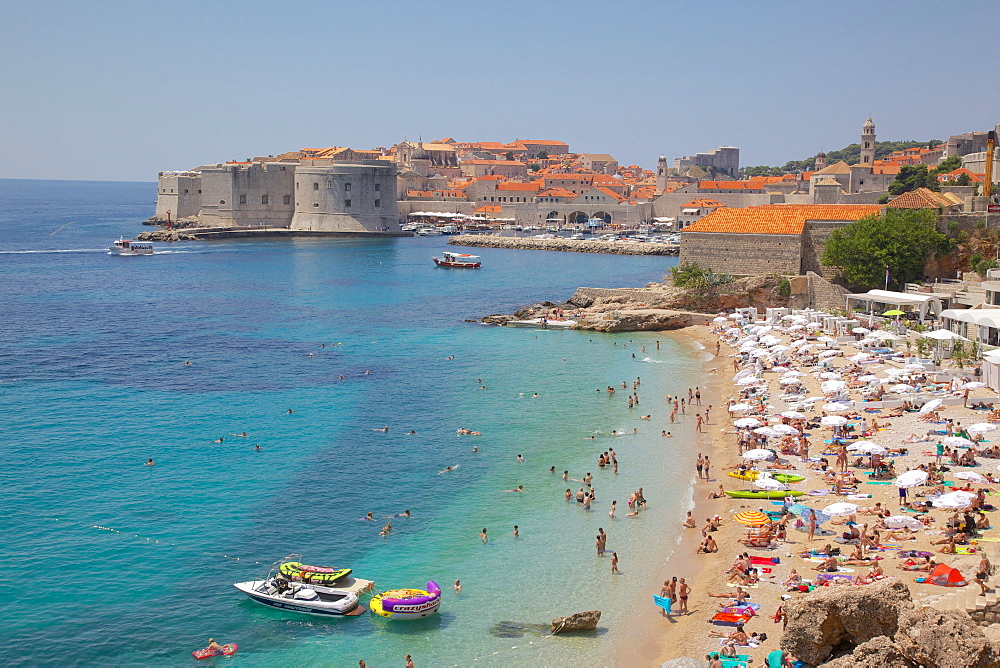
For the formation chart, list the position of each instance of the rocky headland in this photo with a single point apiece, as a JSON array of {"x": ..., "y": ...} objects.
[
  {"x": 565, "y": 245},
  {"x": 656, "y": 307}
]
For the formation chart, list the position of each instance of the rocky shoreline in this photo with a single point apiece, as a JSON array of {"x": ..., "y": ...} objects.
[
  {"x": 564, "y": 245},
  {"x": 655, "y": 307}
]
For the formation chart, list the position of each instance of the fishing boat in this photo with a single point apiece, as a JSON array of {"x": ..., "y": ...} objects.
[
  {"x": 129, "y": 247},
  {"x": 458, "y": 260},
  {"x": 407, "y": 604}
]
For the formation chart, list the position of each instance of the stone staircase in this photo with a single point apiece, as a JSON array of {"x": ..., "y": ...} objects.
[{"x": 985, "y": 610}]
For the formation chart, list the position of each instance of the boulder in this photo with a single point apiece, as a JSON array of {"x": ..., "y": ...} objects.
[
  {"x": 840, "y": 618},
  {"x": 880, "y": 652},
  {"x": 580, "y": 621},
  {"x": 948, "y": 639}
]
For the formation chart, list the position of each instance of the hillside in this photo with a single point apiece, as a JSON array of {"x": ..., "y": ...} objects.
[{"x": 850, "y": 154}]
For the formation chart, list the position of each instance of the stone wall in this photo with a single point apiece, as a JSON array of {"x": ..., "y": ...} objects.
[
  {"x": 529, "y": 243},
  {"x": 814, "y": 237},
  {"x": 240, "y": 195},
  {"x": 346, "y": 197},
  {"x": 743, "y": 254}
]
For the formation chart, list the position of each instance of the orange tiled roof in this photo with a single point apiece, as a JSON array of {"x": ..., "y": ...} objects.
[
  {"x": 489, "y": 208},
  {"x": 709, "y": 203},
  {"x": 556, "y": 192},
  {"x": 493, "y": 162},
  {"x": 610, "y": 193},
  {"x": 777, "y": 218},
  {"x": 511, "y": 185},
  {"x": 924, "y": 198},
  {"x": 728, "y": 185}
]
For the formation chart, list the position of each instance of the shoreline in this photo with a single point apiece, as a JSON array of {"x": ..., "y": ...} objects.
[{"x": 564, "y": 245}]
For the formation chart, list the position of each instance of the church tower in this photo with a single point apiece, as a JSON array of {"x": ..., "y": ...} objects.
[
  {"x": 820, "y": 161},
  {"x": 868, "y": 143},
  {"x": 661, "y": 174}
]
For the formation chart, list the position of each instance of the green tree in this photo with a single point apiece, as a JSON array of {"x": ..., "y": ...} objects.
[
  {"x": 949, "y": 165},
  {"x": 534, "y": 166},
  {"x": 963, "y": 180},
  {"x": 912, "y": 177},
  {"x": 542, "y": 155},
  {"x": 901, "y": 239}
]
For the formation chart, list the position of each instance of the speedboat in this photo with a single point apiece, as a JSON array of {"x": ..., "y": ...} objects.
[
  {"x": 458, "y": 260},
  {"x": 129, "y": 247},
  {"x": 309, "y": 599}
]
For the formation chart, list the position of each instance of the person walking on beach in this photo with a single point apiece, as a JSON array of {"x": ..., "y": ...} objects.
[
  {"x": 812, "y": 524},
  {"x": 983, "y": 573},
  {"x": 697, "y": 395},
  {"x": 699, "y": 465},
  {"x": 697, "y": 426},
  {"x": 708, "y": 465},
  {"x": 682, "y": 595},
  {"x": 670, "y": 587},
  {"x": 599, "y": 544},
  {"x": 614, "y": 563}
]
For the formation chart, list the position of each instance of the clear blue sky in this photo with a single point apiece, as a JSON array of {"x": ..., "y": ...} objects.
[{"x": 120, "y": 90}]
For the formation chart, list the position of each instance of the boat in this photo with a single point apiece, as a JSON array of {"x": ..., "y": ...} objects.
[
  {"x": 429, "y": 232},
  {"x": 761, "y": 494},
  {"x": 129, "y": 247},
  {"x": 295, "y": 571},
  {"x": 780, "y": 477},
  {"x": 309, "y": 599},
  {"x": 407, "y": 604},
  {"x": 458, "y": 260}
]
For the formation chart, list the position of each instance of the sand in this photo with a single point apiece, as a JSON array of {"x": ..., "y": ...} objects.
[{"x": 667, "y": 637}]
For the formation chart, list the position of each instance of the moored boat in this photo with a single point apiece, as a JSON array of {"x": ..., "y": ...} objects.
[
  {"x": 458, "y": 260},
  {"x": 129, "y": 247},
  {"x": 407, "y": 604},
  {"x": 309, "y": 599}
]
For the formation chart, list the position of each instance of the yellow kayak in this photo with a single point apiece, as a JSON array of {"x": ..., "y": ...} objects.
[{"x": 780, "y": 477}]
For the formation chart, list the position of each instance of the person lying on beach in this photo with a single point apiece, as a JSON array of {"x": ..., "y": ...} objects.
[
  {"x": 874, "y": 573},
  {"x": 737, "y": 598},
  {"x": 857, "y": 558},
  {"x": 721, "y": 494},
  {"x": 739, "y": 636},
  {"x": 926, "y": 565},
  {"x": 707, "y": 545},
  {"x": 828, "y": 565}
]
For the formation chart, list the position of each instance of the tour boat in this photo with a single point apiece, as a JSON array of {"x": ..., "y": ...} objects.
[
  {"x": 128, "y": 247},
  {"x": 458, "y": 260}
]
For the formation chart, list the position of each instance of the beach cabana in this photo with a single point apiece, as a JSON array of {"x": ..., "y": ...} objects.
[{"x": 880, "y": 301}]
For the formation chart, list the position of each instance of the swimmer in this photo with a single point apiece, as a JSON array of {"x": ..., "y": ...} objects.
[
  {"x": 450, "y": 468},
  {"x": 483, "y": 535},
  {"x": 386, "y": 529},
  {"x": 520, "y": 459},
  {"x": 214, "y": 646},
  {"x": 645, "y": 417},
  {"x": 150, "y": 462},
  {"x": 475, "y": 448},
  {"x": 535, "y": 395},
  {"x": 187, "y": 362},
  {"x": 666, "y": 434},
  {"x": 517, "y": 532},
  {"x": 458, "y": 586},
  {"x": 568, "y": 494},
  {"x": 242, "y": 434},
  {"x": 450, "y": 357},
  {"x": 368, "y": 373},
  {"x": 552, "y": 469},
  {"x": 386, "y": 428},
  {"x": 405, "y": 513},
  {"x": 369, "y": 516},
  {"x": 340, "y": 377},
  {"x": 288, "y": 412},
  {"x": 219, "y": 440},
  {"x": 256, "y": 446},
  {"x": 565, "y": 475},
  {"x": 311, "y": 355},
  {"x": 411, "y": 432},
  {"x": 519, "y": 488}
]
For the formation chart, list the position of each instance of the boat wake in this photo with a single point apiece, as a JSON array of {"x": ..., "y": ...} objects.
[{"x": 63, "y": 250}]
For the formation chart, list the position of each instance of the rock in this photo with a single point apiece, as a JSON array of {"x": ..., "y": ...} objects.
[
  {"x": 948, "y": 639},
  {"x": 842, "y": 618},
  {"x": 580, "y": 621},
  {"x": 880, "y": 652},
  {"x": 166, "y": 235},
  {"x": 497, "y": 319}
]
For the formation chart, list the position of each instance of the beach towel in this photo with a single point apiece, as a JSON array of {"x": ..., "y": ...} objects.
[
  {"x": 765, "y": 560},
  {"x": 819, "y": 492},
  {"x": 859, "y": 496},
  {"x": 730, "y": 619},
  {"x": 878, "y": 482},
  {"x": 832, "y": 577}
]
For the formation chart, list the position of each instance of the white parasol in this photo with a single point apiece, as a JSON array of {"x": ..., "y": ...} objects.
[
  {"x": 910, "y": 478},
  {"x": 981, "y": 428},
  {"x": 758, "y": 455},
  {"x": 841, "y": 508},
  {"x": 833, "y": 421},
  {"x": 972, "y": 476},
  {"x": 903, "y": 522},
  {"x": 744, "y": 423},
  {"x": 930, "y": 405}
]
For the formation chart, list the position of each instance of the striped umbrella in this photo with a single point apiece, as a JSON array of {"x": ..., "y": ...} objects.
[{"x": 752, "y": 518}]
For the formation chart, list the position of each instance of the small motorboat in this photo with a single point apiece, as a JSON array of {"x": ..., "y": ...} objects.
[
  {"x": 407, "y": 604},
  {"x": 429, "y": 232},
  {"x": 129, "y": 247},
  {"x": 458, "y": 260},
  {"x": 295, "y": 571},
  {"x": 278, "y": 592}
]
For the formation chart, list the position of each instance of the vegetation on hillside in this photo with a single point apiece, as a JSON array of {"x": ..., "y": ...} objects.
[
  {"x": 690, "y": 275},
  {"x": 850, "y": 154},
  {"x": 900, "y": 239}
]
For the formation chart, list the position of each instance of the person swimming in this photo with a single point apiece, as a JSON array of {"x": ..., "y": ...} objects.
[
  {"x": 450, "y": 468},
  {"x": 219, "y": 440},
  {"x": 150, "y": 462}
]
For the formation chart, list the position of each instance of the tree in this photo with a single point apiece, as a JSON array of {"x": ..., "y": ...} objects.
[
  {"x": 510, "y": 155},
  {"x": 963, "y": 180},
  {"x": 542, "y": 155},
  {"x": 900, "y": 239},
  {"x": 534, "y": 166},
  {"x": 949, "y": 165},
  {"x": 912, "y": 177}
]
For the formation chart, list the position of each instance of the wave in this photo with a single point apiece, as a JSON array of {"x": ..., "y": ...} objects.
[
  {"x": 650, "y": 360},
  {"x": 697, "y": 345}
]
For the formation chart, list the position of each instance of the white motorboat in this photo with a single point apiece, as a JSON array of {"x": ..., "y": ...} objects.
[
  {"x": 429, "y": 232},
  {"x": 309, "y": 599},
  {"x": 458, "y": 260},
  {"x": 129, "y": 247}
]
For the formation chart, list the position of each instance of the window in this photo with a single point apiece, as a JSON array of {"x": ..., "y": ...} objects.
[
  {"x": 296, "y": 185},
  {"x": 171, "y": 190},
  {"x": 347, "y": 204},
  {"x": 288, "y": 199},
  {"x": 347, "y": 187},
  {"x": 378, "y": 186},
  {"x": 315, "y": 186},
  {"x": 222, "y": 201},
  {"x": 316, "y": 204},
  {"x": 378, "y": 203},
  {"x": 185, "y": 191},
  {"x": 243, "y": 199},
  {"x": 263, "y": 199},
  {"x": 199, "y": 192}
]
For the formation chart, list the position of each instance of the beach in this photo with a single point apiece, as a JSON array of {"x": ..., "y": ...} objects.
[{"x": 675, "y": 635}]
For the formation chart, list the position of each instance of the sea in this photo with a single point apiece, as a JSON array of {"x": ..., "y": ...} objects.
[{"x": 310, "y": 346}]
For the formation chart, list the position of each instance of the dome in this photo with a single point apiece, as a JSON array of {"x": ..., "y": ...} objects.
[
  {"x": 869, "y": 125},
  {"x": 821, "y": 155}
]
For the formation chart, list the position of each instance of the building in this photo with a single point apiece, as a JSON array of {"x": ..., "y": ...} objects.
[
  {"x": 774, "y": 238},
  {"x": 723, "y": 160}
]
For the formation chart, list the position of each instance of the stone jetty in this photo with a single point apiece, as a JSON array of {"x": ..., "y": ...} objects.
[{"x": 567, "y": 245}]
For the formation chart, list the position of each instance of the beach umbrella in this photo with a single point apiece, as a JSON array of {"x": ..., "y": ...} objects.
[
  {"x": 736, "y": 316},
  {"x": 796, "y": 327},
  {"x": 861, "y": 330},
  {"x": 792, "y": 373},
  {"x": 789, "y": 381},
  {"x": 830, "y": 353},
  {"x": 803, "y": 510},
  {"x": 974, "y": 385},
  {"x": 740, "y": 407},
  {"x": 806, "y": 348},
  {"x": 792, "y": 415},
  {"x": 833, "y": 421},
  {"x": 840, "y": 508},
  {"x": 833, "y": 385},
  {"x": 958, "y": 441},
  {"x": 836, "y": 407},
  {"x": 769, "y": 484},
  {"x": 812, "y": 400},
  {"x": 981, "y": 428},
  {"x": 752, "y": 518},
  {"x": 901, "y": 387},
  {"x": 913, "y": 366},
  {"x": 743, "y": 374},
  {"x": 859, "y": 357},
  {"x": 972, "y": 476},
  {"x": 785, "y": 429},
  {"x": 867, "y": 448},
  {"x": 954, "y": 500},
  {"x": 930, "y": 405},
  {"x": 757, "y": 455},
  {"x": 750, "y": 380},
  {"x": 814, "y": 324},
  {"x": 894, "y": 312},
  {"x": 747, "y": 422},
  {"x": 826, "y": 339},
  {"x": 720, "y": 319},
  {"x": 770, "y": 340},
  {"x": 767, "y": 431},
  {"x": 903, "y": 522},
  {"x": 910, "y": 478},
  {"x": 780, "y": 348},
  {"x": 868, "y": 377},
  {"x": 830, "y": 375}
]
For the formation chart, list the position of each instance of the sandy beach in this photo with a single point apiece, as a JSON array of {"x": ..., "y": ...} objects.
[{"x": 675, "y": 635}]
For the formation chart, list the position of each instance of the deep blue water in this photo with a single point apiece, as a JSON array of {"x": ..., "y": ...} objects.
[{"x": 110, "y": 561}]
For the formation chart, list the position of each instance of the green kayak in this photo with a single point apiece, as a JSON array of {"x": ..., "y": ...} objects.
[{"x": 761, "y": 494}]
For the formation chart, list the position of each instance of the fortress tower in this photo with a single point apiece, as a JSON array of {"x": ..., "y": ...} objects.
[
  {"x": 661, "y": 174},
  {"x": 868, "y": 143}
]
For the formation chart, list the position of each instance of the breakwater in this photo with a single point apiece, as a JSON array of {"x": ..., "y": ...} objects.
[{"x": 567, "y": 245}]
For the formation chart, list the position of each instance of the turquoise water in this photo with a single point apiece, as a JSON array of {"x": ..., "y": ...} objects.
[{"x": 93, "y": 382}]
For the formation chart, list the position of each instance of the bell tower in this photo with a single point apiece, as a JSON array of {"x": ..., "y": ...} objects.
[
  {"x": 661, "y": 174},
  {"x": 868, "y": 143},
  {"x": 820, "y": 161}
]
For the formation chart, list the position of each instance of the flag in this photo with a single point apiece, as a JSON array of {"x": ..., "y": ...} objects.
[{"x": 888, "y": 278}]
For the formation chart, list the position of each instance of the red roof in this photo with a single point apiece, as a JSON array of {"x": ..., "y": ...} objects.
[
  {"x": 729, "y": 185},
  {"x": 778, "y": 218}
]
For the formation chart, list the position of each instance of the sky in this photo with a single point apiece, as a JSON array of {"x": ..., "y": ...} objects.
[{"x": 104, "y": 90}]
